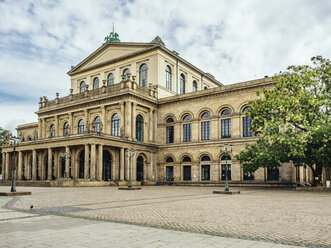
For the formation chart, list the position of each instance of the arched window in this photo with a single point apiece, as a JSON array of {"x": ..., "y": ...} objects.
[
  {"x": 226, "y": 124},
  {"x": 205, "y": 127},
  {"x": 187, "y": 133},
  {"x": 115, "y": 125},
  {"x": 194, "y": 86},
  {"x": 52, "y": 131},
  {"x": 66, "y": 129},
  {"x": 169, "y": 160},
  {"x": 81, "y": 126},
  {"x": 186, "y": 159},
  {"x": 205, "y": 168},
  {"x": 168, "y": 77},
  {"x": 226, "y": 166},
  {"x": 82, "y": 87},
  {"x": 205, "y": 88},
  {"x": 95, "y": 83},
  {"x": 125, "y": 73},
  {"x": 169, "y": 131},
  {"x": 205, "y": 158},
  {"x": 97, "y": 124},
  {"x": 139, "y": 128},
  {"x": 247, "y": 122},
  {"x": 143, "y": 75},
  {"x": 182, "y": 84},
  {"x": 110, "y": 79}
]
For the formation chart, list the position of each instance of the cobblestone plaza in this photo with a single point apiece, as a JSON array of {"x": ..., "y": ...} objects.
[{"x": 264, "y": 217}]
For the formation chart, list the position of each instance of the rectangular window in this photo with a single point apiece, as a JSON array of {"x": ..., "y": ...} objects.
[
  {"x": 226, "y": 128},
  {"x": 247, "y": 122},
  {"x": 170, "y": 173},
  {"x": 224, "y": 171},
  {"x": 205, "y": 172},
  {"x": 205, "y": 130},
  {"x": 170, "y": 134},
  {"x": 187, "y": 132},
  {"x": 187, "y": 172}
]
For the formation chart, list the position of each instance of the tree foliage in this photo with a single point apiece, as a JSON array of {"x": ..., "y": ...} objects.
[
  {"x": 3, "y": 134},
  {"x": 292, "y": 120}
]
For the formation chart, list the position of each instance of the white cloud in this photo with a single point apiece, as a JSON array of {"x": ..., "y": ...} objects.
[{"x": 233, "y": 40}]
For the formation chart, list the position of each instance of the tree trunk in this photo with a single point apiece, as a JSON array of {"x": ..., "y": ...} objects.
[{"x": 317, "y": 174}]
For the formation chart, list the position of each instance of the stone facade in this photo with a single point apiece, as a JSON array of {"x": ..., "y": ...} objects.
[{"x": 164, "y": 108}]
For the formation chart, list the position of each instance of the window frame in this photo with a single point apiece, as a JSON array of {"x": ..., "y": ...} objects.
[
  {"x": 182, "y": 82},
  {"x": 82, "y": 87},
  {"x": 116, "y": 125},
  {"x": 140, "y": 128},
  {"x": 168, "y": 78},
  {"x": 110, "y": 79},
  {"x": 81, "y": 126},
  {"x": 143, "y": 75},
  {"x": 96, "y": 83}
]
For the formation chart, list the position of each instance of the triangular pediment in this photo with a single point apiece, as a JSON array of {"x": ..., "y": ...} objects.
[{"x": 108, "y": 52}]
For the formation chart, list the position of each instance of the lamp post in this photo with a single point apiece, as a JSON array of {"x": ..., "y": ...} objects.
[
  {"x": 130, "y": 153},
  {"x": 226, "y": 152},
  {"x": 65, "y": 156},
  {"x": 14, "y": 142}
]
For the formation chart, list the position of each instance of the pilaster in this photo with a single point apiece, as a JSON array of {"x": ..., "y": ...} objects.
[
  {"x": 100, "y": 163},
  {"x": 34, "y": 164},
  {"x": 86, "y": 164},
  {"x": 92, "y": 176},
  {"x": 50, "y": 160},
  {"x": 122, "y": 164}
]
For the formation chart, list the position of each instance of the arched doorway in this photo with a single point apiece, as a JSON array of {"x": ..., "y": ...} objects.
[
  {"x": 63, "y": 166},
  {"x": 140, "y": 169},
  {"x": 81, "y": 164},
  {"x": 106, "y": 166}
]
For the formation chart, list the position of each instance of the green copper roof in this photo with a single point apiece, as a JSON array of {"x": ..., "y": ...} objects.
[{"x": 112, "y": 37}]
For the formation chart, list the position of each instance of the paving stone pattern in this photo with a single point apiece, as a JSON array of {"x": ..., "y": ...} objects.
[{"x": 278, "y": 216}]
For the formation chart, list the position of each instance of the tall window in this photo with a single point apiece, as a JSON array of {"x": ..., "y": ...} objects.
[
  {"x": 194, "y": 86},
  {"x": 81, "y": 126},
  {"x": 110, "y": 79},
  {"x": 115, "y": 125},
  {"x": 168, "y": 77},
  {"x": 187, "y": 136},
  {"x": 205, "y": 127},
  {"x": 66, "y": 129},
  {"x": 186, "y": 168},
  {"x": 97, "y": 124},
  {"x": 226, "y": 160},
  {"x": 82, "y": 87},
  {"x": 170, "y": 131},
  {"x": 143, "y": 75},
  {"x": 169, "y": 169},
  {"x": 139, "y": 128},
  {"x": 125, "y": 73},
  {"x": 52, "y": 131},
  {"x": 205, "y": 168},
  {"x": 226, "y": 124},
  {"x": 95, "y": 83},
  {"x": 247, "y": 122},
  {"x": 182, "y": 84}
]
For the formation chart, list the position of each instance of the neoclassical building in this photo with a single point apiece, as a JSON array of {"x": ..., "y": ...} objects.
[{"x": 146, "y": 98}]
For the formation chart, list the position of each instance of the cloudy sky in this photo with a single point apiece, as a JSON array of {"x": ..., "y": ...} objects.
[{"x": 233, "y": 40}]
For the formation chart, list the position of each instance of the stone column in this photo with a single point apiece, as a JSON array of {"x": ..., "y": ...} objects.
[
  {"x": 67, "y": 160},
  {"x": 3, "y": 165},
  {"x": 43, "y": 131},
  {"x": 133, "y": 126},
  {"x": 50, "y": 160},
  {"x": 154, "y": 125},
  {"x": 87, "y": 162},
  {"x": 26, "y": 165},
  {"x": 126, "y": 168},
  {"x": 151, "y": 175},
  {"x": 40, "y": 128},
  {"x": 56, "y": 126},
  {"x": 150, "y": 125},
  {"x": 71, "y": 125},
  {"x": 73, "y": 164},
  {"x": 122, "y": 164},
  {"x": 19, "y": 167},
  {"x": 122, "y": 120},
  {"x": 128, "y": 122},
  {"x": 86, "y": 119},
  {"x": 103, "y": 119},
  {"x": 100, "y": 163},
  {"x": 7, "y": 166},
  {"x": 92, "y": 176},
  {"x": 134, "y": 168},
  {"x": 34, "y": 164}
]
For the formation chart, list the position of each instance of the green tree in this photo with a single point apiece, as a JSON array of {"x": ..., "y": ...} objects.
[
  {"x": 3, "y": 134},
  {"x": 292, "y": 120}
]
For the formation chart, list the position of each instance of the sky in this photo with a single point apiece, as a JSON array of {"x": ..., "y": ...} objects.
[{"x": 233, "y": 40}]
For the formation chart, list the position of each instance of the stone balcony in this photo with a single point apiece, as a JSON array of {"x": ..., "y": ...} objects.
[{"x": 125, "y": 86}]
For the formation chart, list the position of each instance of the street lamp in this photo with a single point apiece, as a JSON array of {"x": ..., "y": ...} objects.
[
  {"x": 14, "y": 141},
  {"x": 227, "y": 153},
  {"x": 130, "y": 153},
  {"x": 65, "y": 156}
]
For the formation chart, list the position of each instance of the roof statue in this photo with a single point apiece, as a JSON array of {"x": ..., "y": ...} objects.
[
  {"x": 112, "y": 37},
  {"x": 157, "y": 40}
]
